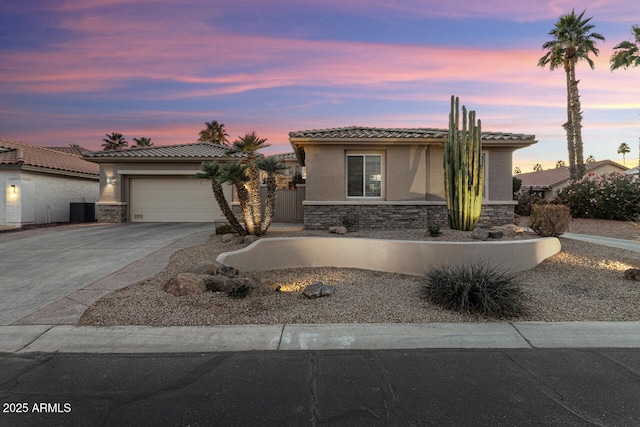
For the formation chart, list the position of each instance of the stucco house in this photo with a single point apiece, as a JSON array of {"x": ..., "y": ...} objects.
[
  {"x": 157, "y": 184},
  {"x": 393, "y": 178},
  {"x": 41, "y": 183},
  {"x": 546, "y": 183}
]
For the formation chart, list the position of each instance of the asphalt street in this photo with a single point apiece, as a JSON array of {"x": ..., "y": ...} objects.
[{"x": 454, "y": 387}]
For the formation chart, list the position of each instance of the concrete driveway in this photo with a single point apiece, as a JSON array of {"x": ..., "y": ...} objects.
[{"x": 51, "y": 276}]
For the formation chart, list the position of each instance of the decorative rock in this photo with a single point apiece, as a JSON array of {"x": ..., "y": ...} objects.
[
  {"x": 317, "y": 290},
  {"x": 494, "y": 234},
  {"x": 338, "y": 229},
  {"x": 187, "y": 284},
  {"x": 214, "y": 269},
  {"x": 509, "y": 230},
  {"x": 632, "y": 274},
  {"x": 224, "y": 284},
  {"x": 250, "y": 238},
  {"x": 480, "y": 234},
  {"x": 226, "y": 238}
]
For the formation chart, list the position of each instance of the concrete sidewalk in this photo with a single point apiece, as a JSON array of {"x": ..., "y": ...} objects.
[
  {"x": 184, "y": 339},
  {"x": 630, "y": 245}
]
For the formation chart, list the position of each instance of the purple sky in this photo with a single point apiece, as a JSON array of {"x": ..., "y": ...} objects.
[{"x": 72, "y": 71}]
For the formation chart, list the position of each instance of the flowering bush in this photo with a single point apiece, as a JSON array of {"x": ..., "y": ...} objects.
[{"x": 607, "y": 196}]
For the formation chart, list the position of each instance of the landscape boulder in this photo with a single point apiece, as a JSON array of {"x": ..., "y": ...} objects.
[
  {"x": 212, "y": 269},
  {"x": 480, "y": 234},
  {"x": 317, "y": 290},
  {"x": 632, "y": 274},
  {"x": 250, "y": 238},
  {"x": 187, "y": 284},
  {"x": 338, "y": 230},
  {"x": 509, "y": 230},
  {"x": 226, "y": 238},
  {"x": 225, "y": 284}
]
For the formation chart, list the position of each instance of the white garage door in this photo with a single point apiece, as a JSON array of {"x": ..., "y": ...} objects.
[{"x": 174, "y": 199}]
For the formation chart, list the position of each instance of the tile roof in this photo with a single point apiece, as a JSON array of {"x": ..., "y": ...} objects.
[
  {"x": 196, "y": 150},
  {"x": 44, "y": 158},
  {"x": 553, "y": 177},
  {"x": 360, "y": 132}
]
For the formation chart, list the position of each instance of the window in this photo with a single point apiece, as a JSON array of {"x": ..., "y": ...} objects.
[{"x": 364, "y": 175}]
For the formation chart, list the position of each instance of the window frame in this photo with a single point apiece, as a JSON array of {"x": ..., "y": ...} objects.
[{"x": 364, "y": 156}]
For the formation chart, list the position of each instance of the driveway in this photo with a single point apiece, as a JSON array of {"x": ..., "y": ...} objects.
[{"x": 51, "y": 277}]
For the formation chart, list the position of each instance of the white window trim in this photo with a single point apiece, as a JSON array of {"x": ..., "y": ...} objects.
[{"x": 382, "y": 176}]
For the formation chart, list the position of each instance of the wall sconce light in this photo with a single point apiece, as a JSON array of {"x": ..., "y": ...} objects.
[
  {"x": 13, "y": 189},
  {"x": 111, "y": 180}
]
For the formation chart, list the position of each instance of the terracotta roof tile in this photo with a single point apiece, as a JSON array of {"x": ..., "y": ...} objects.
[
  {"x": 405, "y": 133},
  {"x": 200, "y": 150},
  {"x": 17, "y": 153}
]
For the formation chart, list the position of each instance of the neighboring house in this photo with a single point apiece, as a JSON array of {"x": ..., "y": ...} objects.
[
  {"x": 157, "y": 184},
  {"x": 41, "y": 183},
  {"x": 546, "y": 183},
  {"x": 394, "y": 178},
  {"x": 634, "y": 171},
  {"x": 285, "y": 180}
]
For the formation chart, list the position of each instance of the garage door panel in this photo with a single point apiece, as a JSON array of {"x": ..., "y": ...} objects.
[{"x": 174, "y": 199}]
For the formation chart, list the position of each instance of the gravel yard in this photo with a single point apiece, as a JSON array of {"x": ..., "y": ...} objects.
[{"x": 583, "y": 282}]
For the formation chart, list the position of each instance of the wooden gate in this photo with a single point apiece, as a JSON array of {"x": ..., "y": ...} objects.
[{"x": 288, "y": 204}]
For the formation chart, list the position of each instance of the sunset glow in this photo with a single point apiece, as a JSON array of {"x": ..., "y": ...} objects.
[{"x": 73, "y": 71}]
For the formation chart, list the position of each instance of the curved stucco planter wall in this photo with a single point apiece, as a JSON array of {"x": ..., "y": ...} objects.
[{"x": 394, "y": 256}]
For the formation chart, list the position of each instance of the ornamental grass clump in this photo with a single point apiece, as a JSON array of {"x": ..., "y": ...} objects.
[{"x": 476, "y": 289}]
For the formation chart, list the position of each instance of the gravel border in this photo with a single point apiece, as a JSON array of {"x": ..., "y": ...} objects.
[{"x": 584, "y": 282}]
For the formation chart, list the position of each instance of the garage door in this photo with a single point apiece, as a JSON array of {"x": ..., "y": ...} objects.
[{"x": 174, "y": 199}]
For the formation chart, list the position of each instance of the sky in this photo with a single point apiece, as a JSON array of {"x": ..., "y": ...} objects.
[{"x": 73, "y": 71}]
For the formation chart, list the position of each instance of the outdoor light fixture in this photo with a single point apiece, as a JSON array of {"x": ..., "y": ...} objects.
[
  {"x": 110, "y": 180},
  {"x": 13, "y": 189}
]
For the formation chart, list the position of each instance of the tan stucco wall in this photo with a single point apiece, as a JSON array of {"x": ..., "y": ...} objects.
[
  {"x": 409, "y": 178},
  {"x": 499, "y": 174},
  {"x": 396, "y": 256},
  {"x": 325, "y": 173},
  {"x": 435, "y": 177}
]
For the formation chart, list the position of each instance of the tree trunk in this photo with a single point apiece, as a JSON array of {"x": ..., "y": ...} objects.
[
  {"x": 577, "y": 126},
  {"x": 243, "y": 198},
  {"x": 270, "y": 203},
  {"x": 568, "y": 126},
  {"x": 254, "y": 194},
  {"x": 226, "y": 210}
]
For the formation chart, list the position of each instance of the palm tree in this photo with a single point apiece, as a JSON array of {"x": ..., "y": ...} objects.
[
  {"x": 572, "y": 41},
  {"x": 235, "y": 173},
  {"x": 274, "y": 167},
  {"x": 214, "y": 133},
  {"x": 624, "y": 149},
  {"x": 215, "y": 173},
  {"x": 590, "y": 159},
  {"x": 517, "y": 170},
  {"x": 537, "y": 167},
  {"x": 249, "y": 145},
  {"x": 115, "y": 141},
  {"x": 560, "y": 164},
  {"x": 627, "y": 53},
  {"x": 142, "y": 142}
]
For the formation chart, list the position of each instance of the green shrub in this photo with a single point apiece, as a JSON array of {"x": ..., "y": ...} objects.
[
  {"x": 434, "y": 231},
  {"x": 239, "y": 291},
  {"x": 348, "y": 222},
  {"x": 224, "y": 229},
  {"x": 607, "y": 196},
  {"x": 549, "y": 220},
  {"x": 475, "y": 288}
]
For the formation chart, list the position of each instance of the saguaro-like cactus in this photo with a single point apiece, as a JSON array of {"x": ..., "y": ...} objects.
[{"x": 463, "y": 169}]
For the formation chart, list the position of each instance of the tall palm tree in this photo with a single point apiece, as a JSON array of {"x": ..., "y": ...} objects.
[
  {"x": 591, "y": 159},
  {"x": 624, "y": 149},
  {"x": 216, "y": 174},
  {"x": 537, "y": 167},
  {"x": 627, "y": 53},
  {"x": 115, "y": 141},
  {"x": 249, "y": 145},
  {"x": 142, "y": 142},
  {"x": 215, "y": 133},
  {"x": 572, "y": 41},
  {"x": 274, "y": 167},
  {"x": 236, "y": 174},
  {"x": 560, "y": 164}
]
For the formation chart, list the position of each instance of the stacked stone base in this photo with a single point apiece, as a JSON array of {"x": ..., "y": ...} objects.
[
  {"x": 112, "y": 212},
  {"x": 395, "y": 216}
]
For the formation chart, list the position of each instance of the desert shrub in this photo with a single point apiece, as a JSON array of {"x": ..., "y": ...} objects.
[
  {"x": 549, "y": 220},
  {"x": 474, "y": 288},
  {"x": 224, "y": 229},
  {"x": 606, "y": 196},
  {"x": 434, "y": 231},
  {"x": 348, "y": 221},
  {"x": 526, "y": 203}
]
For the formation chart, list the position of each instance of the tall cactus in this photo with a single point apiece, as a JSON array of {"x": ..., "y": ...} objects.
[{"x": 463, "y": 169}]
